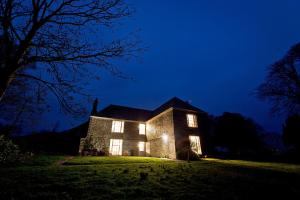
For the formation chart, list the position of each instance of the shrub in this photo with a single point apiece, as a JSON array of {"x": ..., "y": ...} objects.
[
  {"x": 9, "y": 152},
  {"x": 105, "y": 151},
  {"x": 87, "y": 145},
  {"x": 188, "y": 155}
]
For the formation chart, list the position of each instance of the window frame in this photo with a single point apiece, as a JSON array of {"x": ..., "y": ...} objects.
[
  {"x": 119, "y": 145},
  {"x": 143, "y": 145},
  {"x": 195, "y": 139},
  {"x": 193, "y": 123},
  {"x": 144, "y": 129},
  {"x": 116, "y": 129}
]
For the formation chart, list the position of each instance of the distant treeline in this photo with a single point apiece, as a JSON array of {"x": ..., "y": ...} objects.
[
  {"x": 66, "y": 142},
  {"x": 232, "y": 135}
]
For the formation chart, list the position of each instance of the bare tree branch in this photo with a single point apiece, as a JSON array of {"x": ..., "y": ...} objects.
[
  {"x": 282, "y": 85},
  {"x": 65, "y": 38}
]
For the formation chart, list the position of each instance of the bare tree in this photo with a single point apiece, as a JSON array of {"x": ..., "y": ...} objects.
[
  {"x": 23, "y": 103},
  {"x": 63, "y": 38},
  {"x": 282, "y": 85}
]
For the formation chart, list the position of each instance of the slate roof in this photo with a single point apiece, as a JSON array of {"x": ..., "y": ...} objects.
[
  {"x": 137, "y": 114},
  {"x": 175, "y": 103},
  {"x": 122, "y": 112}
]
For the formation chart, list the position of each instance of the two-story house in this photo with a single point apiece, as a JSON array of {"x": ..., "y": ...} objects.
[{"x": 167, "y": 131}]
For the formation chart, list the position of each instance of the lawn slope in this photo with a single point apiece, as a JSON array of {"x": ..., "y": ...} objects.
[{"x": 49, "y": 177}]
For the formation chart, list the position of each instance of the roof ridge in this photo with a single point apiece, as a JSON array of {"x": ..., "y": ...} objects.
[
  {"x": 172, "y": 103},
  {"x": 128, "y": 107},
  {"x": 139, "y": 114}
]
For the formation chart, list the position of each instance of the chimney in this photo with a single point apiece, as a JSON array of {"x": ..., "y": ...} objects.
[{"x": 95, "y": 105}]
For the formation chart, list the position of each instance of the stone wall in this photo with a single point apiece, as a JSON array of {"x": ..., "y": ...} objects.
[
  {"x": 172, "y": 122},
  {"x": 182, "y": 130},
  {"x": 156, "y": 127},
  {"x": 99, "y": 135}
]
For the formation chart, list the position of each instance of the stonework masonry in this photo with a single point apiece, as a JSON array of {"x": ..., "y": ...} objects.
[
  {"x": 182, "y": 131},
  {"x": 156, "y": 128},
  {"x": 167, "y": 130},
  {"x": 99, "y": 135}
]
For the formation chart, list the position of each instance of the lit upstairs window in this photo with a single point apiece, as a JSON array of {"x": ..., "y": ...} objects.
[
  {"x": 117, "y": 127},
  {"x": 142, "y": 129},
  {"x": 192, "y": 120}
]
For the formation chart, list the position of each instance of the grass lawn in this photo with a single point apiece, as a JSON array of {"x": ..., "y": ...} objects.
[{"x": 62, "y": 177}]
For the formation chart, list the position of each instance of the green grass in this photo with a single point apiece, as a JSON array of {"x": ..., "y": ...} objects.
[
  {"x": 58, "y": 177},
  {"x": 281, "y": 167},
  {"x": 93, "y": 160}
]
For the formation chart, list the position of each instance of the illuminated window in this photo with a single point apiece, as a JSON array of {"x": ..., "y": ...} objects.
[
  {"x": 142, "y": 129},
  {"x": 195, "y": 144},
  {"x": 117, "y": 127},
  {"x": 142, "y": 146},
  {"x": 191, "y": 120},
  {"x": 115, "y": 147}
]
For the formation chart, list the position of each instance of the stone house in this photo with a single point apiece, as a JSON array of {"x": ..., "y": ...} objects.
[{"x": 168, "y": 131}]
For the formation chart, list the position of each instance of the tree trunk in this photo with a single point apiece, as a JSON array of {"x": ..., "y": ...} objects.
[{"x": 5, "y": 80}]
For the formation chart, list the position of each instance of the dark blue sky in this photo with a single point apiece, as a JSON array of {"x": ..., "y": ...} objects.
[{"x": 213, "y": 53}]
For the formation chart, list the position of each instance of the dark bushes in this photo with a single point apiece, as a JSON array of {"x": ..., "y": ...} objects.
[{"x": 9, "y": 152}]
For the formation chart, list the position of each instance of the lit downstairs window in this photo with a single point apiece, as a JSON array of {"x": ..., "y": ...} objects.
[
  {"x": 192, "y": 120},
  {"x": 117, "y": 127},
  {"x": 195, "y": 144},
  {"x": 141, "y": 146},
  {"x": 142, "y": 129},
  {"x": 115, "y": 147}
]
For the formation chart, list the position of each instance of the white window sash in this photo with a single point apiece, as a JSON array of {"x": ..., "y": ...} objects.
[
  {"x": 117, "y": 127},
  {"x": 195, "y": 144},
  {"x": 142, "y": 129},
  {"x": 192, "y": 120},
  {"x": 141, "y": 146},
  {"x": 115, "y": 147}
]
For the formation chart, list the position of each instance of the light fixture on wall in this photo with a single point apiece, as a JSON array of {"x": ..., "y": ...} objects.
[{"x": 164, "y": 137}]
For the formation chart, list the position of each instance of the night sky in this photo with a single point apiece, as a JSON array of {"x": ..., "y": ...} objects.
[{"x": 212, "y": 53}]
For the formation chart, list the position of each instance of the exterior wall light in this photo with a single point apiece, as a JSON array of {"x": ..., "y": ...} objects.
[{"x": 164, "y": 137}]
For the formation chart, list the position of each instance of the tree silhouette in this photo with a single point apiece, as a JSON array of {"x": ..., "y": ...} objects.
[
  {"x": 24, "y": 101},
  {"x": 64, "y": 39},
  {"x": 282, "y": 85},
  {"x": 291, "y": 132},
  {"x": 237, "y": 133}
]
